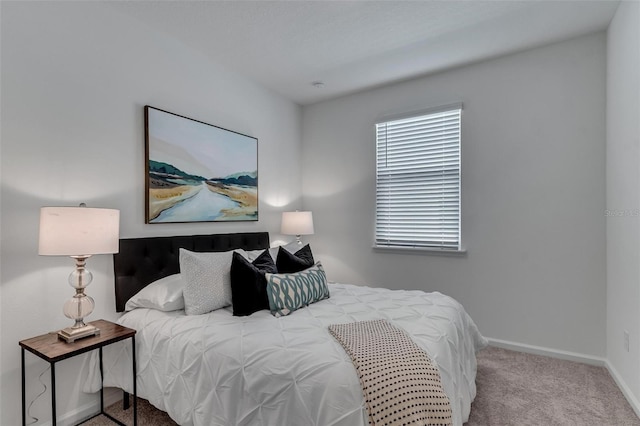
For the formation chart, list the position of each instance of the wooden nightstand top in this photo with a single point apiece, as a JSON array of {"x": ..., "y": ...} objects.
[{"x": 50, "y": 348}]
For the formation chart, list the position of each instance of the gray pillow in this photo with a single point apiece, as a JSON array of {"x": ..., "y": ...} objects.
[{"x": 207, "y": 280}]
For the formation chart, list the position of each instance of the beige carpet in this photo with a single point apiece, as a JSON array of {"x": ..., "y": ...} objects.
[{"x": 514, "y": 389}]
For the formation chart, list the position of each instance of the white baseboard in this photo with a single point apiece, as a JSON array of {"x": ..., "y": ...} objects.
[
  {"x": 111, "y": 396},
  {"x": 573, "y": 356},
  {"x": 633, "y": 401},
  {"x": 553, "y": 353}
]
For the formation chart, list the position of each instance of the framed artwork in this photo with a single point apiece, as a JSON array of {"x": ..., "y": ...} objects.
[{"x": 197, "y": 172}]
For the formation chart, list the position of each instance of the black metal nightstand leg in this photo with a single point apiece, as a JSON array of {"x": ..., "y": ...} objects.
[
  {"x": 53, "y": 394},
  {"x": 24, "y": 398},
  {"x": 101, "y": 383},
  {"x": 135, "y": 387}
]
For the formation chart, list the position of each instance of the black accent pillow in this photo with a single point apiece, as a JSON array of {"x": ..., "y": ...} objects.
[
  {"x": 248, "y": 284},
  {"x": 288, "y": 263}
]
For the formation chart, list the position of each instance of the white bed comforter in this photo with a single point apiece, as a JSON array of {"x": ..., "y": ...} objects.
[{"x": 217, "y": 369}]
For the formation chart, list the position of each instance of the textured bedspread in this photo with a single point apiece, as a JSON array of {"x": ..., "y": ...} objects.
[
  {"x": 400, "y": 384},
  {"x": 217, "y": 369}
]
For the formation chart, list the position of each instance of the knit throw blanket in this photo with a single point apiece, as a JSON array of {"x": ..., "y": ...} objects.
[{"x": 400, "y": 384}]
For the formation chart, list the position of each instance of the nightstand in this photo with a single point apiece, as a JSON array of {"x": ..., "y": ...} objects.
[{"x": 51, "y": 349}]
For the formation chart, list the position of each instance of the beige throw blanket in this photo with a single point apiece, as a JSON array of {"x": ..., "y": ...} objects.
[{"x": 400, "y": 384}]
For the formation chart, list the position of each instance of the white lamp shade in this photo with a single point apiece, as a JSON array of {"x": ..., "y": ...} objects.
[
  {"x": 78, "y": 231},
  {"x": 297, "y": 223}
]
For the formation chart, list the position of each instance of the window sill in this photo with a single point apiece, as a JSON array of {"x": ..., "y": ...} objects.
[{"x": 421, "y": 250}]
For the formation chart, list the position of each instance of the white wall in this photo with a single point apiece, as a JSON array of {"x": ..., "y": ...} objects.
[
  {"x": 0, "y": 216},
  {"x": 533, "y": 193},
  {"x": 75, "y": 78},
  {"x": 623, "y": 196}
]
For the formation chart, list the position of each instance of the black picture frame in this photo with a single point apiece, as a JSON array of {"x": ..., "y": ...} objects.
[{"x": 197, "y": 172}]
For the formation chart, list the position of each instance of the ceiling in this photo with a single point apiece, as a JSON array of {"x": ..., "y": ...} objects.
[{"x": 356, "y": 45}]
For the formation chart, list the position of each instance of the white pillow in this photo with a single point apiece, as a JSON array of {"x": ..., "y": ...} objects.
[
  {"x": 252, "y": 255},
  {"x": 164, "y": 294},
  {"x": 207, "y": 280},
  {"x": 291, "y": 247}
]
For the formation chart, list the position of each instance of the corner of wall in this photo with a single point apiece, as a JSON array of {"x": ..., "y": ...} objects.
[
  {"x": 631, "y": 398},
  {"x": 623, "y": 198}
]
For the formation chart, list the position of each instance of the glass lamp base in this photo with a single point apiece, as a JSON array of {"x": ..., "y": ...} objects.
[{"x": 71, "y": 334}]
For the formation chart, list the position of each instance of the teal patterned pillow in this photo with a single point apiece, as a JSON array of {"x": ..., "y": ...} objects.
[{"x": 288, "y": 292}]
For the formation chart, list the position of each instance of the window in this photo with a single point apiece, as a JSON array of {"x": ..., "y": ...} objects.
[{"x": 418, "y": 181}]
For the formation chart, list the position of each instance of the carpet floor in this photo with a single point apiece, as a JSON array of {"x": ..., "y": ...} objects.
[{"x": 514, "y": 389}]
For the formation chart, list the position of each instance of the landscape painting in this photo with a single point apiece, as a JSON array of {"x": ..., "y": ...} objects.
[{"x": 197, "y": 172}]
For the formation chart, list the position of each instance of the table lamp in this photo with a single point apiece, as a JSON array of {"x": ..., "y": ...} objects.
[
  {"x": 297, "y": 223},
  {"x": 78, "y": 232}
]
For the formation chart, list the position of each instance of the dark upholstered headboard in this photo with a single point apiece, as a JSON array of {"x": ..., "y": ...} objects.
[{"x": 142, "y": 261}]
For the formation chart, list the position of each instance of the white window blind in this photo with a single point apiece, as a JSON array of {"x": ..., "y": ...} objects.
[{"x": 418, "y": 181}]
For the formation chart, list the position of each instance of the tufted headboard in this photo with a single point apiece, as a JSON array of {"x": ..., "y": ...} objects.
[{"x": 142, "y": 261}]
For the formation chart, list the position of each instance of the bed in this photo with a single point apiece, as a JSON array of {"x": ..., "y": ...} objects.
[{"x": 220, "y": 369}]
